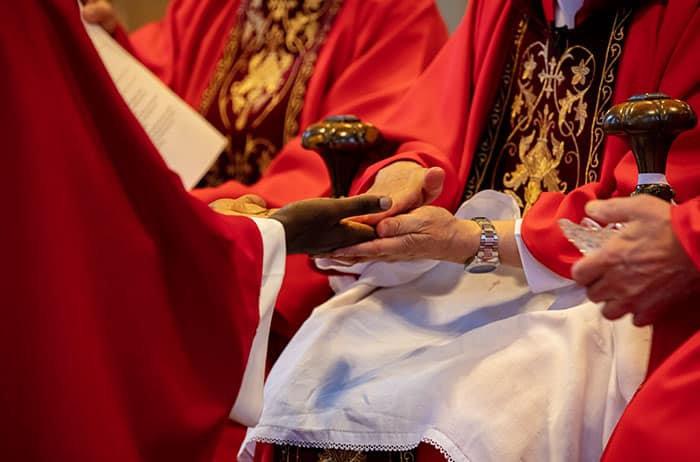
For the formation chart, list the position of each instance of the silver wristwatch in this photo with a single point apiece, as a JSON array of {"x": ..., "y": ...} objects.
[{"x": 486, "y": 258}]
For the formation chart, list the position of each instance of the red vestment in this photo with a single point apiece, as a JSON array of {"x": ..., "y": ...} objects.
[
  {"x": 128, "y": 306},
  {"x": 373, "y": 51},
  {"x": 659, "y": 55},
  {"x": 661, "y": 421}
]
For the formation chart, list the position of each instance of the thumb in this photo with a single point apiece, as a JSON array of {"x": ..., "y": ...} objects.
[
  {"x": 360, "y": 205},
  {"x": 433, "y": 182},
  {"x": 620, "y": 209}
]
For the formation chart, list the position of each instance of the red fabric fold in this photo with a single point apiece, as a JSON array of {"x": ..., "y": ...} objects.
[
  {"x": 129, "y": 307},
  {"x": 661, "y": 422}
]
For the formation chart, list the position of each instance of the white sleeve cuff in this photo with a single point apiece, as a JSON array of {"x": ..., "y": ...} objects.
[
  {"x": 249, "y": 401},
  {"x": 539, "y": 277}
]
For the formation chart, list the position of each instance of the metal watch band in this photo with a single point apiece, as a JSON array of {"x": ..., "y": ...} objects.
[{"x": 486, "y": 258}]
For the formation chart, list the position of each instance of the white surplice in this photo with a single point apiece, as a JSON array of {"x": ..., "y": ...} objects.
[{"x": 475, "y": 364}]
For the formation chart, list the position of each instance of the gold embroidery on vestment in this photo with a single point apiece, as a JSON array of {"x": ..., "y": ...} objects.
[
  {"x": 605, "y": 91},
  {"x": 267, "y": 57},
  {"x": 342, "y": 455},
  {"x": 550, "y": 93},
  {"x": 485, "y": 150}
]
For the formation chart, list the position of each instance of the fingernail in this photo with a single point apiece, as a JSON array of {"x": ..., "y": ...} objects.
[
  {"x": 592, "y": 207},
  {"x": 385, "y": 203}
]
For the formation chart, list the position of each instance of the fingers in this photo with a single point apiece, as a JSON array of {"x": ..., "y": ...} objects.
[
  {"x": 379, "y": 249},
  {"x": 398, "y": 225},
  {"x": 608, "y": 211},
  {"x": 352, "y": 233},
  {"x": 253, "y": 199},
  {"x": 648, "y": 313},
  {"x": 615, "y": 309},
  {"x": 624, "y": 209},
  {"x": 359, "y": 205},
  {"x": 644, "y": 311},
  {"x": 590, "y": 268},
  {"x": 100, "y": 12},
  {"x": 433, "y": 182},
  {"x": 221, "y": 204},
  {"x": 248, "y": 205}
]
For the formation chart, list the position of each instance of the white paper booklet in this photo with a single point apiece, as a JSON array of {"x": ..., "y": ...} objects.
[{"x": 188, "y": 143}]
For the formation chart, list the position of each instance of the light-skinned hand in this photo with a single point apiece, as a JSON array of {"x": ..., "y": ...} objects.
[
  {"x": 247, "y": 205},
  {"x": 315, "y": 226},
  {"x": 100, "y": 12},
  {"x": 425, "y": 233},
  {"x": 643, "y": 270},
  {"x": 408, "y": 184}
]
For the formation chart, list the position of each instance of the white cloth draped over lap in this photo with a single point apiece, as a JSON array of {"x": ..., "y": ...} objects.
[{"x": 475, "y": 364}]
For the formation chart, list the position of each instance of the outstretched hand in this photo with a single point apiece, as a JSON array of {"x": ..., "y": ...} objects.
[
  {"x": 643, "y": 270},
  {"x": 102, "y": 13},
  {"x": 316, "y": 226},
  {"x": 248, "y": 205},
  {"x": 424, "y": 233},
  {"x": 408, "y": 185}
]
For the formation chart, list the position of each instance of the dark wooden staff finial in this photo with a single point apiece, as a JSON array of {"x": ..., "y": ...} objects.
[
  {"x": 342, "y": 141},
  {"x": 650, "y": 122}
]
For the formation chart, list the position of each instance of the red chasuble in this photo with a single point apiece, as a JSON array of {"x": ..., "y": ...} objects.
[
  {"x": 356, "y": 57},
  {"x": 128, "y": 306}
]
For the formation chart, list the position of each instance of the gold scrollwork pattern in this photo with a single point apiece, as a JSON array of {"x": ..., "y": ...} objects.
[
  {"x": 265, "y": 68},
  {"x": 558, "y": 89},
  {"x": 484, "y": 153},
  {"x": 606, "y": 88},
  {"x": 341, "y": 455},
  {"x": 549, "y": 118}
]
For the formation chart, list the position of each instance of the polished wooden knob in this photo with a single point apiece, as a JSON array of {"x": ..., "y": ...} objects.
[
  {"x": 343, "y": 142},
  {"x": 650, "y": 122}
]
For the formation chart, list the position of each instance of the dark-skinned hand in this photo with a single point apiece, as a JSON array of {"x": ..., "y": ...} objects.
[{"x": 315, "y": 226}]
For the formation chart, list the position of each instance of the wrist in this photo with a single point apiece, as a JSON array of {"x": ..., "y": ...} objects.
[{"x": 465, "y": 241}]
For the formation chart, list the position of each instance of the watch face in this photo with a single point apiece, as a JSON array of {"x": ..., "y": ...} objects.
[{"x": 482, "y": 268}]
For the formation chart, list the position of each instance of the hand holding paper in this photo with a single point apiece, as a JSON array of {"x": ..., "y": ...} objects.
[{"x": 185, "y": 140}]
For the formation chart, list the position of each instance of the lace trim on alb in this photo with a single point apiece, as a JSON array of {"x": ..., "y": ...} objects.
[{"x": 353, "y": 447}]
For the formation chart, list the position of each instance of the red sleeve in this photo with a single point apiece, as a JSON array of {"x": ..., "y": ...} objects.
[
  {"x": 184, "y": 47},
  {"x": 685, "y": 220},
  {"x": 375, "y": 50},
  {"x": 662, "y": 41},
  {"x": 441, "y": 118},
  {"x": 129, "y": 307}
]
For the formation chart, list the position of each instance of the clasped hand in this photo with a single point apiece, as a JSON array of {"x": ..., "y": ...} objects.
[
  {"x": 313, "y": 226},
  {"x": 643, "y": 269}
]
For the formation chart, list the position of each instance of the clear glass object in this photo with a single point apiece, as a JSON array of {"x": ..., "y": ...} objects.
[{"x": 589, "y": 235}]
